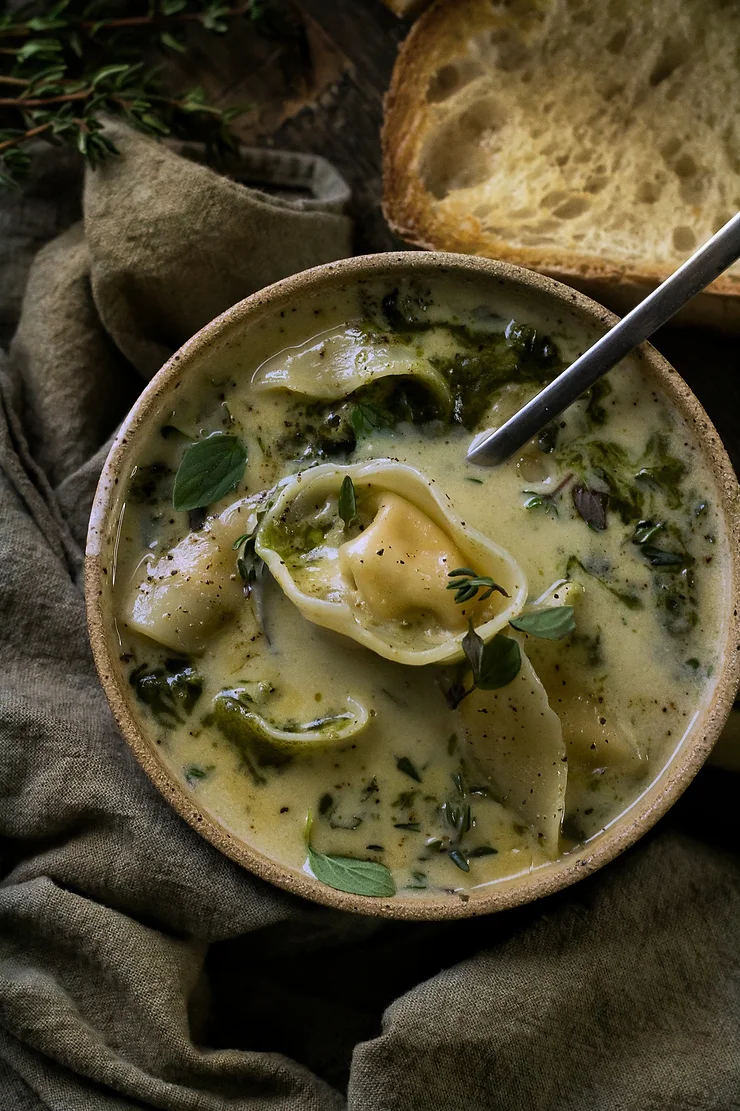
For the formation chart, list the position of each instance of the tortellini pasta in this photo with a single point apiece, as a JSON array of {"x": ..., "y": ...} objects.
[
  {"x": 337, "y": 364},
  {"x": 516, "y": 740},
  {"x": 184, "y": 596},
  {"x": 593, "y": 736},
  {"x": 382, "y": 578},
  {"x": 238, "y": 718}
]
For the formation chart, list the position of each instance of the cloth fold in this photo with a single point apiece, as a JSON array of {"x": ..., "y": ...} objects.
[{"x": 138, "y": 966}]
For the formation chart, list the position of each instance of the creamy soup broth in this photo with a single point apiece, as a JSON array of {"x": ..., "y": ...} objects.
[{"x": 611, "y": 511}]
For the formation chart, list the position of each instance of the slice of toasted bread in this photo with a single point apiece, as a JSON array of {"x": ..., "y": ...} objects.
[{"x": 597, "y": 141}]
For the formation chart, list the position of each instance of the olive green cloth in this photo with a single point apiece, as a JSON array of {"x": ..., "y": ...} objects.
[{"x": 141, "y": 969}]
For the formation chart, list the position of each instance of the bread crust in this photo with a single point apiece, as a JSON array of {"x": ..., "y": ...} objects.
[{"x": 441, "y": 34}]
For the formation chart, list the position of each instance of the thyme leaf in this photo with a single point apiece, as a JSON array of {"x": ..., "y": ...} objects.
[{"x": 404, "y": 765}]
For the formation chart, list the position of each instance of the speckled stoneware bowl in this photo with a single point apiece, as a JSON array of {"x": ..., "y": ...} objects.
[{"x": 227, "y": 332}]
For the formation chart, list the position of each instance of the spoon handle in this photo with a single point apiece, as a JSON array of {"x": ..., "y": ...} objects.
[{"x": 703, "y": 267}]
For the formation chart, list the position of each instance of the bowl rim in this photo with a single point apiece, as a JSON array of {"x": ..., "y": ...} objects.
[{"x": 554, "y": 876}]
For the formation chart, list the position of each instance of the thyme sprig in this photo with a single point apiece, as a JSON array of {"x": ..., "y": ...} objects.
[
  {"x": 67, "y": 66},
  {"x": 466, "y": 583}
]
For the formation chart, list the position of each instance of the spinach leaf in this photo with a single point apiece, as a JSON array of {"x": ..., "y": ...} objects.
[
  {"x": 550, "y": 623},
  {"x": 209, "y": 469},
  {"x": 662, "y": 470},
  {"x": 150, "y": 483},
  {"x": 658, "y": 557},
  {"x": 367, "y": 417},
  {"x": 631, "y": 601},
  {"x": 610, "y": 465},
  {"x": 170, "y": 690}
]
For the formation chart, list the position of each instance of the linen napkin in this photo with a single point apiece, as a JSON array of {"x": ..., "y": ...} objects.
[{"x": 139, "y": 968}]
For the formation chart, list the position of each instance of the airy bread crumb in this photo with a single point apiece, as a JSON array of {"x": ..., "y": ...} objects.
[{"x": 595, "y": 140}]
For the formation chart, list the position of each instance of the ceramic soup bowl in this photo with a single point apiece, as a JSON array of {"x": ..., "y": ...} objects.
[{"x": 498, "y": 841}]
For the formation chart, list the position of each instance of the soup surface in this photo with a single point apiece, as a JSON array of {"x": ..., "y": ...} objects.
[{"x": 353, "y": 646}]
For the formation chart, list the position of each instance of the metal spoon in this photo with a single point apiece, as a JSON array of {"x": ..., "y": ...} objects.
[{"x": 703, "y": 267}]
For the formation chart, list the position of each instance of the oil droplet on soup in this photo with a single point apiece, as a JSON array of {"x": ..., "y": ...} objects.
[{"x": 459, "y": 673}]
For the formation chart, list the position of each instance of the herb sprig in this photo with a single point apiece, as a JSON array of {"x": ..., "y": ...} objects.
[
  {"x": 70, "y": 65},
  {"x": 466, "y": 584}
]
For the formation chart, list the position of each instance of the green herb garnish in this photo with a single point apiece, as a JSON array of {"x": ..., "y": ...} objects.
[
  {"x": 367, "y": 418},
  {"x": 632, "y": 601},
  {"x": 467, "y": 583},
  {"x": 540, "y": 501},
  {"x": 645, "y": 531},
  {"x": 209, "y": 469},
  {"x": 404, "y": 765},
  {"x": 170, "y": 690},
  {"x": 661, "y": 558},
  {"x": 591, "y": 506},
  {"x": 550, "y": 623},
  {"x": 494, "y": 664},
  {"x": 71, "y": 63},
  {"x": 249, "y": 565},
  {"x": 194, "y": 772},
  {"x": 345, "y": 873},
  {"x": 347, "y": 503}
]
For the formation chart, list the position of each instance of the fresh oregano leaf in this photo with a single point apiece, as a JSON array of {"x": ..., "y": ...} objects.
[
  {"x": 591, "y": 506},
  {"x": 209, "y": 469},
  {"x": 472, "y": 646},
  {"x": 347, "y": 504},
  {"x": 345, "y": 873},
  {"x": 500, "y": 664},
  {"x": 356, "y": 877},
  {"x": 494, "y": 664},
  {"x": 549, "y": 623}
]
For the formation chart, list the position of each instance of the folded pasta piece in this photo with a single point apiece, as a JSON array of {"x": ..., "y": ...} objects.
[
  {"x": 238, "y": 719},
  {"x": 337, "y": 363},
  {"x": 181, "y": 598},
  {"x": 381, "y": 577},
  {"x": 516, "y": 740},
  {"x": 593, "y": 736}
]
